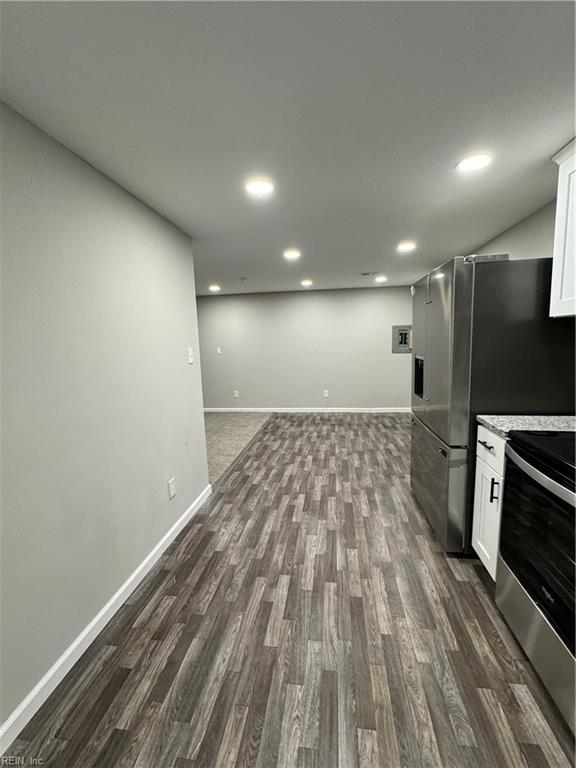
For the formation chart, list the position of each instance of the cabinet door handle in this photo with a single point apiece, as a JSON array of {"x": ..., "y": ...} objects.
[
  {"x": 443, "y": 452},
  {"x": 493, "y": 485},
  {"x": 485, "y": 444}
]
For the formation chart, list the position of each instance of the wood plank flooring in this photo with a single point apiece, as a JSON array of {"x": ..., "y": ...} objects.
[
  {"x": 226, "y": 435},
  {"x": 305, "y": 618}
]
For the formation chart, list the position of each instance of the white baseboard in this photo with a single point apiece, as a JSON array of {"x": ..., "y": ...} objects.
[
  {"x": 14, "y": 724},
  {"x": 399, "y": 409}
]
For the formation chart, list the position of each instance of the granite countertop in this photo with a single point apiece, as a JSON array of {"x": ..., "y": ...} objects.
[{"x": 504, "y": 424}]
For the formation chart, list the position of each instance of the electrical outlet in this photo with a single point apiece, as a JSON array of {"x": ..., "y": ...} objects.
[
  {"x": 190, "y": 356},
  {"x": 218, "y": 350},
  {"x": 171, "y": 487},
  {"x": 325, "y": 393},
  {"x": 236, "y": 393}
]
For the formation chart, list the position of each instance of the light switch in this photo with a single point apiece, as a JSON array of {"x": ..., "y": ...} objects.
[
  {"x": 218, "y": 350},
  {"x": 325, "y": 393},
  {"x": 236, "y": 393},
  {"x": 190, "y": 356},
  {"x": 171, "y": 487}
]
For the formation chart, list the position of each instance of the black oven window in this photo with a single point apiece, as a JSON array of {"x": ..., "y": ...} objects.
[{"x": 537, "y": 544}]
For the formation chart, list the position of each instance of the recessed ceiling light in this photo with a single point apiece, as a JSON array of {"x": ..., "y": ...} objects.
[
  {"x": 406, "y": 246},
  {"x": 474, "y": 163},
  {"x": 292, "y": 254},
  {"x": 214, "y": 288},
  {"x": 306, "y": 283},
  {"x": 259, "y": 187},
  {"x": 380, "y": 279}
]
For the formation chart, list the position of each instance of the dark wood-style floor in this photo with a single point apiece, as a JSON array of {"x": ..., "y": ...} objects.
[{"x": 306, "y": 618}]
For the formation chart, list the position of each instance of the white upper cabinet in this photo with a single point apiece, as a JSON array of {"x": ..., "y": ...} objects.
[{"x": 563, "y": 293}]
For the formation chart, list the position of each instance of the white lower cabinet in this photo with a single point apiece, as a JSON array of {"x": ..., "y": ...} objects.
[{"x": 487, "y": 509}]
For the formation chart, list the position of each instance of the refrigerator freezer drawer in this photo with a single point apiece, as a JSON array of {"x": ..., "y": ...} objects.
[{"x": 438, "y": 481}]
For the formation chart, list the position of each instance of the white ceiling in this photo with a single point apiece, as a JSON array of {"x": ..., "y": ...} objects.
[{"x": 359, "y": 111}]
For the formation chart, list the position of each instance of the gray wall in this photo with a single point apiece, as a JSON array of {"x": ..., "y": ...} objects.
[
  {"x": 283, "y": 349},
  {"x": 531, "y": 238},
  {"x": 100, "y": 407}
]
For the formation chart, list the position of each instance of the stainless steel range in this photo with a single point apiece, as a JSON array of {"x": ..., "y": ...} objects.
[{"x": 535, "y": 573}]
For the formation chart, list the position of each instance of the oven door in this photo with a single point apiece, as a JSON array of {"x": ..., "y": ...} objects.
[{"x": 537, "y": 540}]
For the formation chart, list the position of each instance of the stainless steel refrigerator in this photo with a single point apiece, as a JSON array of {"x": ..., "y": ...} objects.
[{"x": 482, "y": 342}]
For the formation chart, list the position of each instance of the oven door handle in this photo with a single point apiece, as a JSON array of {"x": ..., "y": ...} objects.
[{"x": 539, "y": 477}]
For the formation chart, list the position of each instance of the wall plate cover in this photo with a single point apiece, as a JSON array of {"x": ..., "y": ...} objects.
[{"x": 171, "y": 487}]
